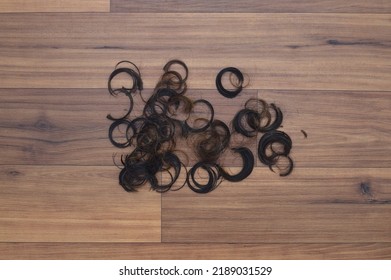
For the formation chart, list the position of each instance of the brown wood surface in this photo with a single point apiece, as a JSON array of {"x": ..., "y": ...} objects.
[
  {"x": 251, "y": 6},
  {"x": 326, "y": 64},
  {"x": 69, "y": 126},
  {"x": 195, "y": 251},
  {"x": 15, "y": 6},
  {"x": 278, "y": 51},
  {"x": 311, "y": 205},
  {"x": 344, "y": 128},
  {"x": 74, "y": 204}
]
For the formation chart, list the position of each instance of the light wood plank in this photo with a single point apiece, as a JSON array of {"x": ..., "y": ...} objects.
[
  {"x": 69, "y": 126},
  {"x": 278, "y": 51},
  {"x": 311, "y": 205},
  {"x": 197, "y": 251},
  {"x": 17, "y": 6},
  {"x": 344, "y": 129},
  {"x": 251, "y": 6},
  {"x": 78, "y": 204}
]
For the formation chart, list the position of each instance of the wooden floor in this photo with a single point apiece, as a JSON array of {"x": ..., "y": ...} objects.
[{"x": 327, "y": 64}]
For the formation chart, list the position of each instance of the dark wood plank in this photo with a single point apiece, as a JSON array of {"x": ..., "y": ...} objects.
[
  {"x": 69, "y": 126},
  {"x": 57, "y": 126},
  {"x": 17, "y": 6},
  {"x": 311, "y": 205},
  {"x": 278, "y": 51},
  {"x": 344, "y": 129},
  {"x": 251, "y": 6},
  {"x": 197, "y": 251},
  {"x": 74, "y": 204}
]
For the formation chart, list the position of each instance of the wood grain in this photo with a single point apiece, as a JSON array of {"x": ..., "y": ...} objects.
[
  {"x": 344, "y": 129},
  {"x": 69, "y": 126},
  {"x": 278, "y": 51},
  {"x": 16, "y": 6},
  {"x": 195, "y": 251},
  {"x": 311, "y": 205},
  {"x": 251, "y": 6},
  {"x": 78, "y": 204},
  {"x": 65, "y": 127},
  {"x": 326, "y": 64}
]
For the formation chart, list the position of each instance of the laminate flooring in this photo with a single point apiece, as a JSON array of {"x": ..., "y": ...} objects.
[{"x": 326, "y": 64}]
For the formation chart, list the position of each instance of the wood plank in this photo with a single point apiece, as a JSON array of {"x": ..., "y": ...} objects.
[
  {"x": 17, "y": 6},
  {"x": 251, "y": 6},
  {"x": 69, "y": 126},
  {"x": 278, "y": 51},
  {"x": 311, "y": 205},
  {"x": 197, "y": 251},
  {"x": 78, "y": 204},
  {"x": 344, "y": 129},
  {"x": 66, "y": 127}
]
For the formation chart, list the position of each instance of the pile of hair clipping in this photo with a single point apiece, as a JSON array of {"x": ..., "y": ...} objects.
[{"x": 169, "y": 116}]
